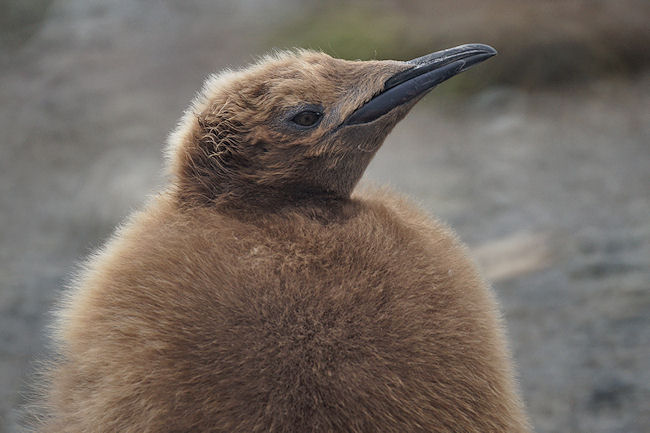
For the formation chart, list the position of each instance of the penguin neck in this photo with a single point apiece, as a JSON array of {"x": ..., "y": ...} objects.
[{"x": 252, "y": 203}]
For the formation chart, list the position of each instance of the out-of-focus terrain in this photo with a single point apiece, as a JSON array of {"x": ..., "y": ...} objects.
[{"x": 540, "y": 160}]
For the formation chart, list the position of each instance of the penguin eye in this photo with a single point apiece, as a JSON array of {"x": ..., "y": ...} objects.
[{"x": 307, "y": 118}]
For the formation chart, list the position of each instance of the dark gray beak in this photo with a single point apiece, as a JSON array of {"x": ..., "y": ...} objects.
[{"x": 426, "y": 73}]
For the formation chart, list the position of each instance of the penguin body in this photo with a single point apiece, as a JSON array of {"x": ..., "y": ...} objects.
[{"x": 244, "y": 299}]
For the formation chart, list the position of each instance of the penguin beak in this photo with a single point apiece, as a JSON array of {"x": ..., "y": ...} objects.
[{"x": 425, "y": 73}]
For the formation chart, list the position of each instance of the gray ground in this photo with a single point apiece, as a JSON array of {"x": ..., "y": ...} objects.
[{"x": 551, "y": 189}]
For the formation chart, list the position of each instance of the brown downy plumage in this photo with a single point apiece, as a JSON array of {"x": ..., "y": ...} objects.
[{"x": 256, "y": 294}]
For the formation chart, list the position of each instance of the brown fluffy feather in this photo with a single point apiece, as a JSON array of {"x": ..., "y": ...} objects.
[{"x": 222, "y": 308}]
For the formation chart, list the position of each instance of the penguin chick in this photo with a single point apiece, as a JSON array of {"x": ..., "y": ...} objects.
[{"x": 257, "y": 294}]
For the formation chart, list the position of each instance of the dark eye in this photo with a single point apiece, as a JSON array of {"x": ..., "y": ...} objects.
[{"x": 307, "y": 118}]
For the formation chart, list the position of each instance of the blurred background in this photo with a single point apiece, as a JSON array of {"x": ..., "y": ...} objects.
[{"x": 539, "y": 158}]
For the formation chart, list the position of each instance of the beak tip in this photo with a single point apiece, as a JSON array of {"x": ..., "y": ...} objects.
[
  {"x": 489, "y": 50},
  {"x": 484, "y": 50}
]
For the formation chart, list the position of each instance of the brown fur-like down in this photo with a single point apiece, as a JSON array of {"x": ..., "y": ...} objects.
[{"x": 256, "y": 294}]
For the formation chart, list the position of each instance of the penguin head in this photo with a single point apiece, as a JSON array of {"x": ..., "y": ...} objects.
[{"x": 299, "y": 125}]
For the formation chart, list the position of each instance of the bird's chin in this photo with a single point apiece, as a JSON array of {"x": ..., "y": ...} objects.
[{"x": 369, "y": 137}]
